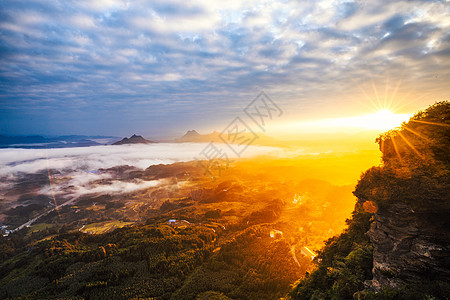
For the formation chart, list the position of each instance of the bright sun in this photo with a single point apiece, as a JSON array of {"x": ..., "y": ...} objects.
[
  {"x": 384, "y": 116},
  {"x": 380, "y": 121},
  {"x": 383, "y": 120}
]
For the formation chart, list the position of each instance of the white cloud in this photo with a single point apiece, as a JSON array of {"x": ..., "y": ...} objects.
[
  {"x": 82, "y": 21},
  {"x": 75, "y": 171},
  {"x": 94, "y": 158},
  {"x": 116, "y": 187}
]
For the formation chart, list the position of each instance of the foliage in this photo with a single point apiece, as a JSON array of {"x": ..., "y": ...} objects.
[
  {"x": 249, "y": 266},
  {"x": 416, "y": 163},
  {"x": 139, "y": 261}
]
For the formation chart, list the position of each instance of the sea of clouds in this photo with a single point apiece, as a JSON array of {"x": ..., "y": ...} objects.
[
  {"x": 13, "y": 161},
  {"x": 80, "y": 165}
]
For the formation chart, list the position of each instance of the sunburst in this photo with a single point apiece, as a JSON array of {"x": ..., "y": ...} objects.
[{"x": 385, "y": 110}]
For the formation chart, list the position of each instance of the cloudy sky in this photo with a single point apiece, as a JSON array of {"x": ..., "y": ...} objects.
[{"x": 161, "y": 67}]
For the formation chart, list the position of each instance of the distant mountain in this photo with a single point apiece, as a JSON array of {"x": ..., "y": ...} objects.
[
  {"x": 261, "y": 139},
  {"x": 30, "y": 139},
  {"x": 39, "y": 142},
  {"x": 134, "y": 139},
  {"x": 191, "y": 136}
]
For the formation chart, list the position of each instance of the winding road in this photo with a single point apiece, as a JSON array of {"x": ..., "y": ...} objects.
[{"x": 29, "y": 222}]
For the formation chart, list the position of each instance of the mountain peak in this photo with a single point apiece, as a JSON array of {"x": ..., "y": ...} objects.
[
  {"x": 134, "y": 139},
  {"x": 190, "y": 136},
  {"x": 191, "y": 133}
]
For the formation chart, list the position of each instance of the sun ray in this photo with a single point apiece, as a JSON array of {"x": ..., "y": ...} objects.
[
  {"x": 394, "y": 94},
  {"x": 51, "y": 183},
  {"x": 377, "y": 97},
  {"x": 382, "y": 145},
  {"x": 431, "y": 123},
  {"x": 406, "y": 103},
  {"x": 418, "y": 134},
  {"x": 388, "y": 101},
  {"x": 371, "y": 101},
  {"x": 401, "y": 102},
  {"x": 395, "y": 146},
  {"x": 386, "y": 104},
  {"x": 411, "y": 145}
]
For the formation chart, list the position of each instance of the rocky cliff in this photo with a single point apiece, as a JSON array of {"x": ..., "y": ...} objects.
[{"x": 409, "y": 248}]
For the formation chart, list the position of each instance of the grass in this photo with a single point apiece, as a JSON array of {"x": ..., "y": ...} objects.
[
  {"x": 103, "y": 227},
  {"x": 38, "y": 227}
]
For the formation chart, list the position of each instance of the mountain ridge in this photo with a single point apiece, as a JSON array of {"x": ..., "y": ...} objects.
[
  {"x": 65, "y": 141},
  {"x": 134, "y": 139},
  {"x": 260, "y": 139}
]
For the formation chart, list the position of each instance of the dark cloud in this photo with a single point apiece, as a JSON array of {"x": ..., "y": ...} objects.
[{"x": 394, "y": 23}]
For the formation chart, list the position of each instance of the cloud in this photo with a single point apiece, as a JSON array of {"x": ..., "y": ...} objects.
[
  {"x": 118, "y": 187},
  {"x": 86, "y": 159},
  {"x": 76, "y": 172},
  {"x": 78, "y": 65},
  {"x": 73, "y": 188}
]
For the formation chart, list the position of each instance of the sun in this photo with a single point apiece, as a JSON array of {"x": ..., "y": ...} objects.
[
  {"x": 384, "y": 112},
  {"x": 383, "y": 120},
  {"x": 379, "y": 121},
  {"x": 381, "y": 114},
  {"x": 385, "y": 107}
]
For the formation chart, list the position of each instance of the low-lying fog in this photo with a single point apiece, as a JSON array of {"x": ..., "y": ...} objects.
[{"x": 78, "y": 171}]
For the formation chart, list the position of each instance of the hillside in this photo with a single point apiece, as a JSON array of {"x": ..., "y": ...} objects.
[{"x": 397, "y": 242}]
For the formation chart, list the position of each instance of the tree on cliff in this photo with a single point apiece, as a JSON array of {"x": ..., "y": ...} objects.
[{"x": 416, "y": 163}]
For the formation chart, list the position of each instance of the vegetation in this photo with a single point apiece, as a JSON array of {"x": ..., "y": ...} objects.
[
  {"x": 251, "y": 265},
  {"x": 416, "y": 163},
  {"x": 142, "y": 261}
]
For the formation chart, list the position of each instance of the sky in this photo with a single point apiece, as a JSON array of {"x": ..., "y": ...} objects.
[{"x": 159, "y": 68}]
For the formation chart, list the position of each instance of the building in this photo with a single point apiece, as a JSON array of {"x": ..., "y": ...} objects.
[{"x": 276, "y": 234}]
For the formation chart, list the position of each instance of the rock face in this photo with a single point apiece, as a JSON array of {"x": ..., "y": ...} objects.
[{"x": 409, "y": 248}]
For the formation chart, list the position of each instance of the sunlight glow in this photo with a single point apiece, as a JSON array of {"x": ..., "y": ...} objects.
[
  {"x": 384, "y": 120},
  {"x": 380, "y": 121}
]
